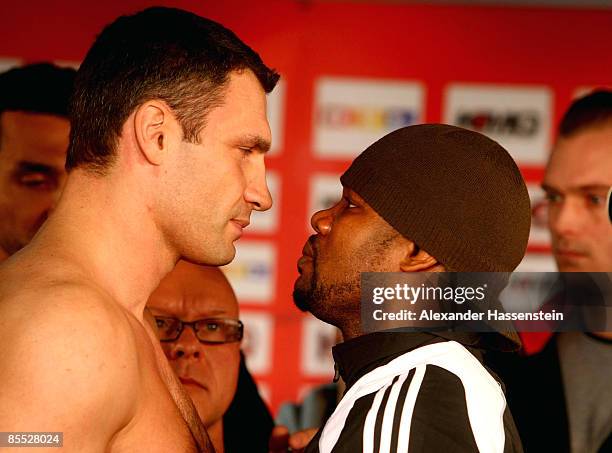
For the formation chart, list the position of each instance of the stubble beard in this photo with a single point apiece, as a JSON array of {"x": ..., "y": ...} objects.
[{"x": 336, "y": 303}]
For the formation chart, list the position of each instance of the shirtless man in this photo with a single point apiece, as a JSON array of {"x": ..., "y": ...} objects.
[{"x": 166, "y": 160}]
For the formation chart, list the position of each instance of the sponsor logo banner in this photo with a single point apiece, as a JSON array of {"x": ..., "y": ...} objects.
[
  {"x": 317, "y": 341},
  {"x": 351, "y": 114},
  {"x": 539, "y": 234},
  {"x": 276, "y": 117},
  {"x": 252, "y": 273},
  {"x": 267, "y": 221},
  {"x": 257, "y": 341},
  {"x": 519, "y": 118},
  {"x": 325, "y": 191}
]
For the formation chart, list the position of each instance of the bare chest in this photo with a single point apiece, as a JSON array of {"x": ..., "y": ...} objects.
[{"x": 165, "y": 418}]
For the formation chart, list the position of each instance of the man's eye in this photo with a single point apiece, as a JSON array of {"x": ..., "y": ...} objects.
[
  {"x": 595, "y": 200},
  {"x": 37, "y": 181},
  {"x": 553, "y": 197},
  {"x": 212, "y": 326},
  {"x": 246, "y": 149}
]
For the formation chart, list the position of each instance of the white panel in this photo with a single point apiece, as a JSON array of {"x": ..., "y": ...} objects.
[
  {"x": 276, "y": 117},
  {"x": 317, "y": 341},
  {"x": 351, "y": 114},
  {"x": 267, "y": 221},
  {"x": 325, "y": 191},
  {"x": 252, "y": 273},
  {"x": 257, "y": 341},
  {"x": 517, "y": 117},
  {"x": 539, "y": 233}
]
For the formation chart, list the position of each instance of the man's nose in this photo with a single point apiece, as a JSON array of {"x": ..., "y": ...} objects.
[
  {"x": 566, "y": 217},
  {"x": 321, "y": 221},
  {"x": 187, "y": 346},
  {"x": 257, "y": 192}
]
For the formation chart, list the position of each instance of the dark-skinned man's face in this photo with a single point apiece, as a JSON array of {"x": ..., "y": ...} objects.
[{"x": 351, "y": 238}]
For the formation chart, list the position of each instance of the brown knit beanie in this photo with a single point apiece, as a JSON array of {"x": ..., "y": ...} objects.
[{"x": 456, "y": 193}]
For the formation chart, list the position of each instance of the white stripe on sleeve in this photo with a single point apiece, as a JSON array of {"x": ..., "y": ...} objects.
[{"x": 407, "y": 411}]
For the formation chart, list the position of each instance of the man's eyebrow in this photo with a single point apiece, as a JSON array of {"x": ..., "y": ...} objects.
[
  {"x": 159, "y": 312},
  {"x": 352, "y": 196},
  {"x": 594, "y": 188},
  {"x": 548, "y": 188},
  {"x": 586, "y": 188},
  {"x": 213, "y": 313},
  {"x": 35, "y": 167},
  {"x": 255, "y": 141}
]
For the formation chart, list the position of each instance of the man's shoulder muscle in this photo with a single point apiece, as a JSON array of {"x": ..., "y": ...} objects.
[{"x": 68, "y": 359}]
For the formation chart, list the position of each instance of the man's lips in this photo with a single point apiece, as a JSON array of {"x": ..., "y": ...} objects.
[
  {"x": 302, "y": 261},
  {"x": 307, "y": 250},
  {"x": 189, "y": 381},
  {"x": 307, "y": 254},
  {"x": 569, "y": 253},
  {"x": 309, "y": 247},
  {"x": 241, "y": 224}
]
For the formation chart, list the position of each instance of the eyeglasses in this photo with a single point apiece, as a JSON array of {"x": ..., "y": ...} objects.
[{"x": 209, "y": 330}]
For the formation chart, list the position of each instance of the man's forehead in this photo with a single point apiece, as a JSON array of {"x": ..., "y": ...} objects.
[
  {"x": 195, "y": 291},
  {"x": 192, "y": 305},
  {"x": 243, "y": 104},
  {"x": 34, "y": 137},
  {"x": 583, "y": 160},
  {"x": 350, "y": 193}
]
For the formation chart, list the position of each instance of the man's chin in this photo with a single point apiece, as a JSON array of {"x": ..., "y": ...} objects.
[
  {"x": 223, "y": 256},
  {"x": 575, "y": 265},
  {"x": 301, "y": 297}
]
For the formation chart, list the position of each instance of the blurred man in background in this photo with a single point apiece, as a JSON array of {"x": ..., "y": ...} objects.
[
  {"x": 34, "y": 131},
  {"x": 578, "y": 177},
  {"x": 196, "y": 314},
  {"x": 561, "y": 397}
]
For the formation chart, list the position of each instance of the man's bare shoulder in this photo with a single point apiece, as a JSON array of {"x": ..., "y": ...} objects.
[
  {"x": 32, "y": 295},
  {"x": 63, "y": 308},
  {"x": 69, "y": 355}
]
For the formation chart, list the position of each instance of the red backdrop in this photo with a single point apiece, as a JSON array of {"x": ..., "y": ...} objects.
[{"x": 560, "y": 49}]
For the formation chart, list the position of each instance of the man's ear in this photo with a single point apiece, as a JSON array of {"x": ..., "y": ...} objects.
[
  {"x": 418, "y": 260},
  {"x": 153, "y": 126}
]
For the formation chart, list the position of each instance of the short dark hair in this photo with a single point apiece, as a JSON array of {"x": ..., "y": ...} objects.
[
  {"x": 37, "y": 88},
  {"x": 594, "y": 109},
  {"x": 159, "y": 53}
]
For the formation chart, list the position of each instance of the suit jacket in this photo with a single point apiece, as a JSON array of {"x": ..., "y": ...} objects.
[{"x": 536, "y": 397}]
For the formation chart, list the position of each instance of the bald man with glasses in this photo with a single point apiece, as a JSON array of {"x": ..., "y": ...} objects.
[{"x": 196, "y": 315}]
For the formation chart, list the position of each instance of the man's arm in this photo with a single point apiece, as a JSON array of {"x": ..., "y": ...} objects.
[{"x": 66, "y": 365}]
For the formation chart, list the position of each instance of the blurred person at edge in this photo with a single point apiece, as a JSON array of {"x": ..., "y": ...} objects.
[
  {"x": 34, "y": 130},
  {"x": 561, "y": 396},
  {"x": 206, "y": 356}
]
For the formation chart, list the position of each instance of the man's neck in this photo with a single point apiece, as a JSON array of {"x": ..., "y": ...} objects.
[
  {"x": 350, "y": 331},
  {"x": 215, "y": 432},
  {"x": 104, "y": 227}
]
